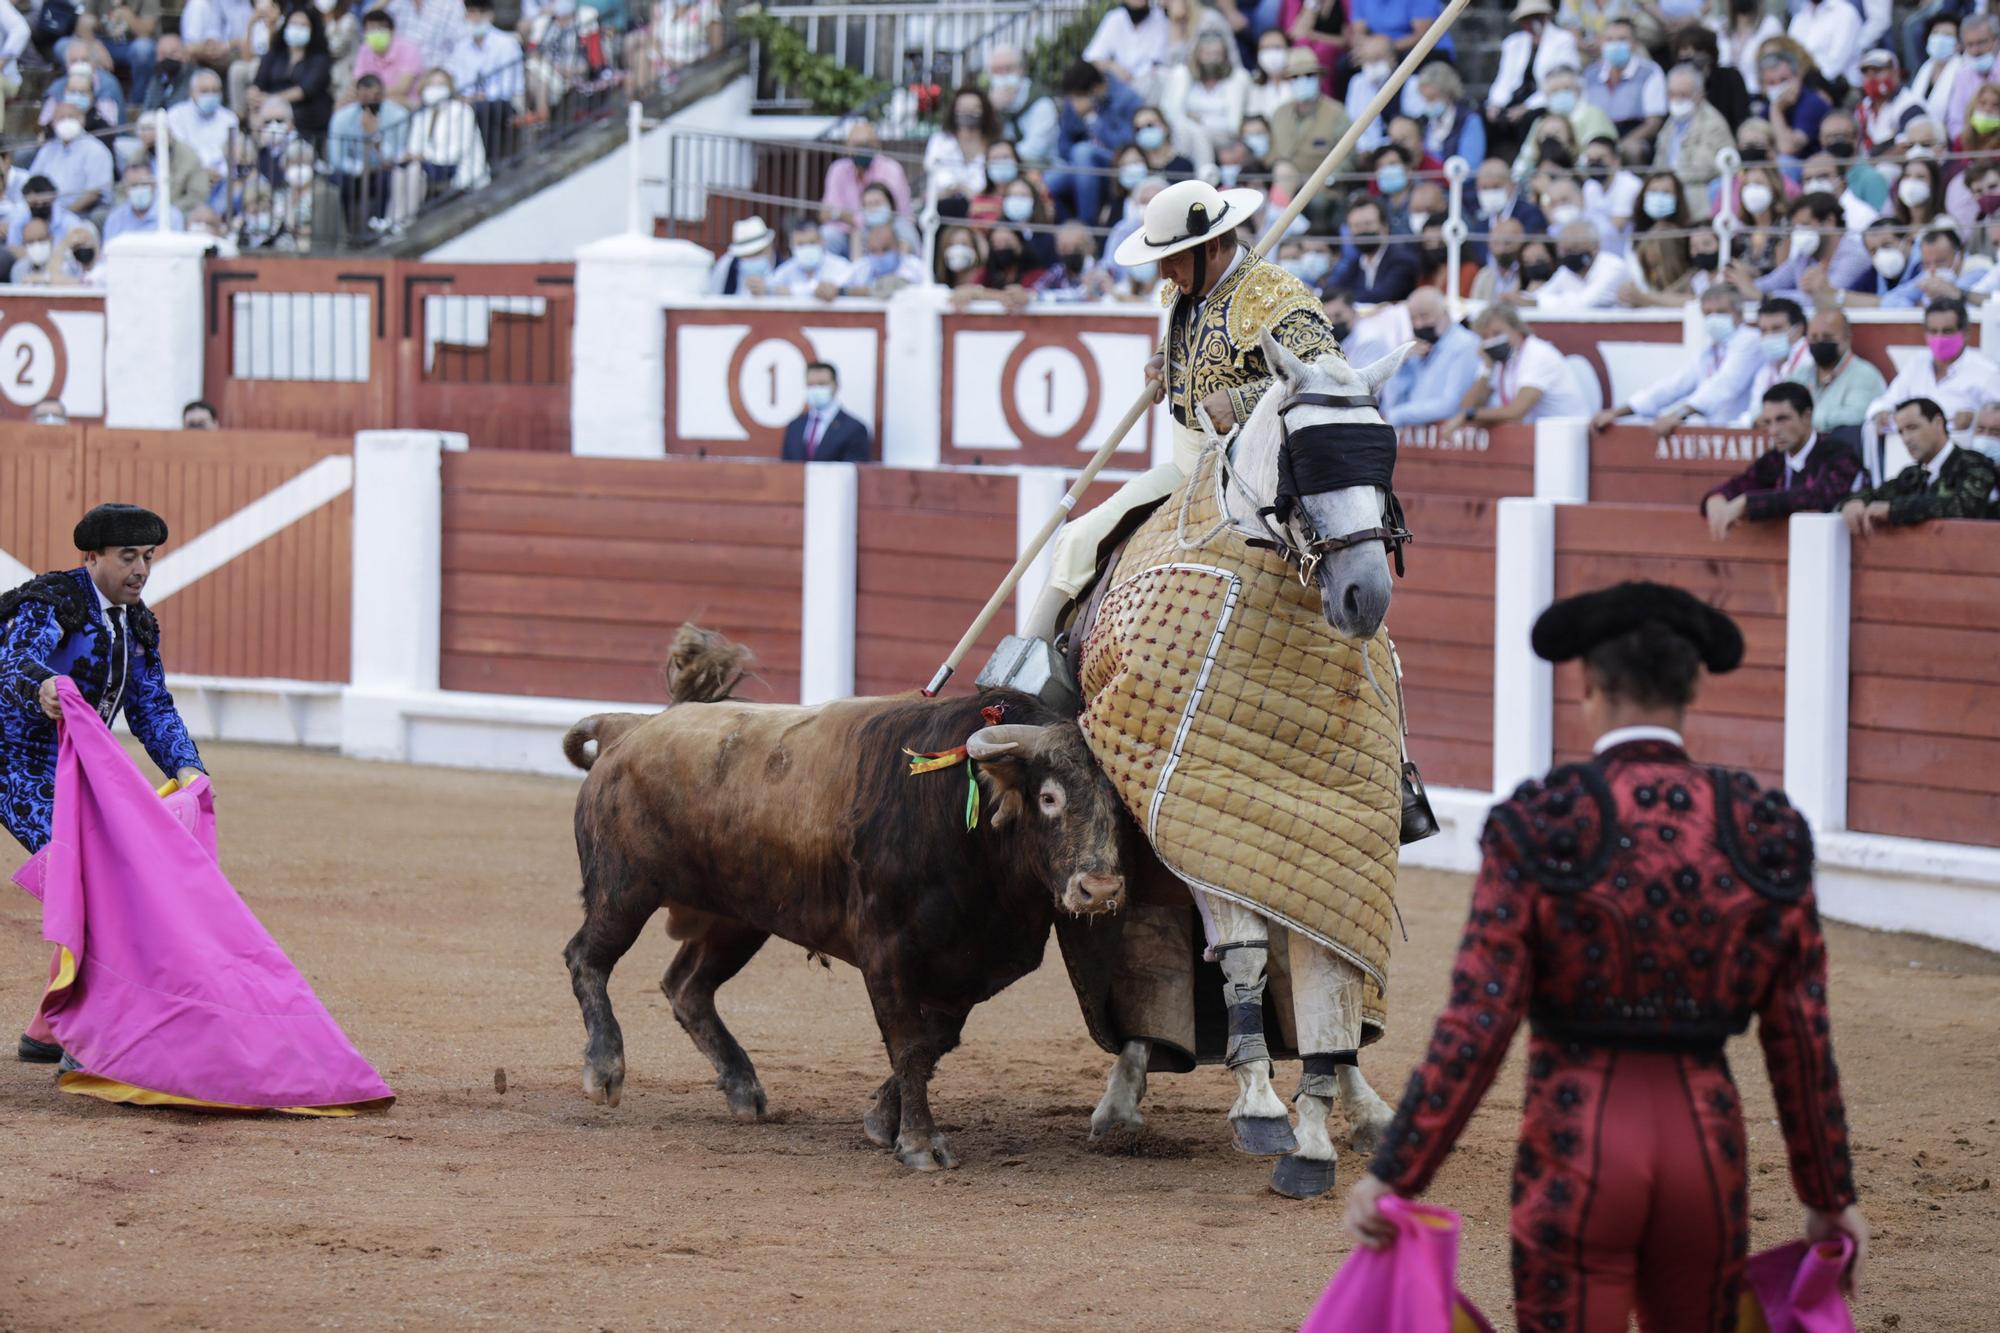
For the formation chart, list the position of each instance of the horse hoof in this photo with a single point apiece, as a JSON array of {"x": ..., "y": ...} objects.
[
  {"x": 1298, "y": 1177},
  {"x": 603, "y": 1087},
  {"x": 1262, "y": 1135},
  {"x": 931, "y": 1156},
  {"x": 746, "y": 1101},
  {"x": 1366, "y": 1136},
  {"x": 1114, "y": 1127}
]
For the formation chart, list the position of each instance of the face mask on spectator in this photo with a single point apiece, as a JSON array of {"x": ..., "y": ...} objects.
[
  {"x": 1821, "y": 185},
  {"x": 1563, "y": 101},
  {"x": 38, "y": 252},
  {"x": 1497, "y": 350},
  {"x": 1130, "y": 175},
  {"x": 1143, "y": 274},
  {"x": 326, "y": 6},
  {"x": 1003, "y": 170},
  {"x": 1537, "y": 270},
  {"x": 1229, "y": 172},
  {"x": 819, "y": 396},
  {"x": 1004, "y": 88},
  {"x": 1071, "y": 261},
  {"x": 1756, "y": 196},
  {"x": 298, "y": 34},
  {"x": 208, "y": 103},
  {"x": 276, "y": 131},
  {"x": 483, "y": 28},
  {"x": 299, "y": 175},
  {"x": 81, "y": 101},
  {"x": 1989, "y": 204},
  {"x": 1433, "y": 108},
  {"x": 1577, "y": 263},
  {"x": 809, "y": 257},
  {"x": 1680, "y": 108},
  {"x": 875, "y": 217},
  {"x": 1719, "y": 328},
  {"x": 861, "y": 157},
  {"x": 1889, "y": 262},
  {"x": 1393, "y": 178},
  {"x": 1839, "y": 149},
  {"x": 85, "y": 255},
  {"x": 1982, "y": 64},
  {"x": 1305, "y": 88},
  {"x": 1417, "y": 221},
  {"x": 1341, "y": 328},
  {"x": 1562, "y": 215},
  {"x": 44, "y": 210},
  {"x": 1149, "y": 137},
  {"x": 1774, "y": 346},
  {"x": 1914, "y": 191},
  {"x": 1492, "y": 202},
  {"x": 1428, "y": 337},
  {"x": 1983, "y": 121},
  {"x": 1878, "y": 87},
  {"x": 1805, "y": 241},
  {"x": 1004, "y": 259},
  {"x": 1017, "y": 208},
  {"x": 68, "y": 129},
  {"x": 966, "y": 120},
  {"x": 1941, "y": 46},
  {"x": 1314, "y": 265},
  {"x": 754, "y": 266},
  {"x": 1706, "y": 260},
  {"x": 378, "y": 40},
  {"x": 1825, "y": 355},
  {"x": 140, "y": 197},
  {"x": 1271, "y": 60},
  {"x": 1946, "y": 346},
  {"x": 1258, "y": 144},
  {"x": 435, "y": 93},
  {"x": 1378, "y": 70},
  {"x": 1618, "y": 54},
  {"x": 959, "y": 258},
  {"x": 1659, "y": 205}
]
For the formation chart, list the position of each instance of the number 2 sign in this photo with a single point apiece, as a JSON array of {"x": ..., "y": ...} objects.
[{"x": 52, "y": 348}]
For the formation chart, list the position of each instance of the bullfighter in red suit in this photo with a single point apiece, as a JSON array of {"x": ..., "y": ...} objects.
[{"x": 1637, "y": 909}]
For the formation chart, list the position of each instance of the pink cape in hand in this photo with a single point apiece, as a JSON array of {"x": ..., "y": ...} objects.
[
  {"x": 167, "y": 990},
  {"x": 1795, "y": 1288},
  {"x": 1410, "y": 1287}
]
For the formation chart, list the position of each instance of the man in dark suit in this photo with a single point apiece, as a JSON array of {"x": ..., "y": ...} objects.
[
  {"x": 1374, "y": 271},
  {"x": 823, "y": 433},
  {"x": 1809, "y": 472}
]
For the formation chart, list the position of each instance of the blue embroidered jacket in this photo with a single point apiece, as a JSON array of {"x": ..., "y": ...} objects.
[{"x": 53, "y": 626}]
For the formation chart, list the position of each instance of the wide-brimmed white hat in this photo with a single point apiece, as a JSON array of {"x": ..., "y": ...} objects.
[
  {"x": 1184, "y": 215},
  {"x": 1530, "y": 9},
  {"x": 749, "y": 236}
]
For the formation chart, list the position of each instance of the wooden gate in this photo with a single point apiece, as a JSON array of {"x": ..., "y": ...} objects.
[
  {"x": 300, "y": 344},
  {"x": 484, "y": 349}
]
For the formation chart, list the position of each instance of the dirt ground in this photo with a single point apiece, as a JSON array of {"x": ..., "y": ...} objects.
[{"x": 429, "y": 908}]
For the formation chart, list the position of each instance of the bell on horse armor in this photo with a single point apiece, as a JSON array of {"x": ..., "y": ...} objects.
[{"x": 1418, "y": 820}]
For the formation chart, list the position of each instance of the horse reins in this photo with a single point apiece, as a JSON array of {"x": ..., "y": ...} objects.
[{"x": 1285, "y": 511}]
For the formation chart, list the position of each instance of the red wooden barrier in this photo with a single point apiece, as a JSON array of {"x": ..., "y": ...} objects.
[
  {"x": 933, "y": 546},
  {"x": 1632, "y": 465},
  {"x": 1923, "y": 758},
  {"x": 568, "y": 576},
  {"x": 1442, "y": 621},
  {"x": 1474, "y": 463},
  {"x": 1739, "y": 719}
]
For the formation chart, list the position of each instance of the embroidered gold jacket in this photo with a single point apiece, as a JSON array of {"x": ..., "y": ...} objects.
[{"x": 1217, "y": 347}]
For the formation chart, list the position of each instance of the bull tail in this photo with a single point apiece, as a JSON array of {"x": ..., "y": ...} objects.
[
  {"x": 602, "y": 728},
  {"x": 704, "y": 667}
]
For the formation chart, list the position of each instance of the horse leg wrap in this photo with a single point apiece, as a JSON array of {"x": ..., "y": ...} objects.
[
  {"x": 1243, "y": 972},
  {"x": 1320, "y": 1074}
]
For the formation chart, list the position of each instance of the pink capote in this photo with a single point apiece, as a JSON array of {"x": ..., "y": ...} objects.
[
  {"x": 1797, "y": 1287},
  {"x": 1409, "y": 1287},
  {"x": 178, "y": 990}
]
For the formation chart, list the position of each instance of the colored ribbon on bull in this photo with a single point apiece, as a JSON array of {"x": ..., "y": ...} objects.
[{"x": 934, "y": 761}]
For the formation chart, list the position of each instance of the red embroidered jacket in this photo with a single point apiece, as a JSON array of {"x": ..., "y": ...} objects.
[{"x": 1638, "y": 901}]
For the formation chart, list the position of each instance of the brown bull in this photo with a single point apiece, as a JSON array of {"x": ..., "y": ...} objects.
[{"x": 752, "y": 820}]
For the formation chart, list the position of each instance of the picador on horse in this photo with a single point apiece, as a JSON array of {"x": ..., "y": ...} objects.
[{"x": 1218, "y": 628}]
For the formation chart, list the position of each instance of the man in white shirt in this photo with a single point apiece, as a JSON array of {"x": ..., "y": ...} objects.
[
  {"x": 1716, "y": 387},
  {"x": 1830, "y": 31},
  {"x": 77, "y": 163},
  {"x": 1585, "y": 279},
  {"x": 1133, "y": 45},
  {"x": 486, "y": 67},
  {"x": 1525, "y": 378},
  {"x": 1959, "y": 380},
  {"x": 204, "y": 124},
  {"x": 811, "y": 271},
  {"x": 1527, "y": 54},
  {"x": 1781, "y": 349}
]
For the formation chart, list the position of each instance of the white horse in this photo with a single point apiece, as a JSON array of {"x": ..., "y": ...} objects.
[{"x": 1354, "y": 585}]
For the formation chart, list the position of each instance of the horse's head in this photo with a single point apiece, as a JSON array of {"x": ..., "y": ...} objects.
[{"x": 1341, "y": 523}]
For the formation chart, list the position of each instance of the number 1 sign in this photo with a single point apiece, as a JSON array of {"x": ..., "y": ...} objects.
[{"x": 736, "y": 374}]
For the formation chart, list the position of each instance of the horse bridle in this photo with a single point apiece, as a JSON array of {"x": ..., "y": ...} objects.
[{"x": 1284, "y": 514}]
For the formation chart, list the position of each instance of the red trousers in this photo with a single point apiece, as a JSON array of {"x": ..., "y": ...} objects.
[{"x": 1629, "y": 1192}]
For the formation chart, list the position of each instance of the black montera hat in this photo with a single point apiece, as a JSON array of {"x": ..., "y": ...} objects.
[
  {"x": 119, "y": 525},
  {"x": 1575, "y": 625}
]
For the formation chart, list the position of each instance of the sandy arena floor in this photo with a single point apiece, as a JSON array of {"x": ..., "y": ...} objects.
[{"x": 429, "y": 908}]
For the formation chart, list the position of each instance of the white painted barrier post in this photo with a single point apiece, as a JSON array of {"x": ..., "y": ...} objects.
[
  {"x": 1523, "y": 684},
  {"x": 153, "y": 333},
  {"x": 1037, "y": 493},
  {"x": 618, "y": 384},
  {"x": 910, "y": 420},
  {"x": 828, "y": 588},
  {"x": 398, "y": 602},
  {"x": 1818, "y": 596},
  {"x": 1562, "y": 460}
]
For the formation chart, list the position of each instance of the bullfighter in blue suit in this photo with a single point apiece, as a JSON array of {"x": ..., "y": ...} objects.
[{"x": 90, "y": 625}]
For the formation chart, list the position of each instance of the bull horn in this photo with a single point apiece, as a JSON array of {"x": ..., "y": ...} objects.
[{"x": 1001, "y": 742}]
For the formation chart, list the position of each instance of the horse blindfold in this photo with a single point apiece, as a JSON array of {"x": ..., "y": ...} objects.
[{"x": 1333, "y": 457}]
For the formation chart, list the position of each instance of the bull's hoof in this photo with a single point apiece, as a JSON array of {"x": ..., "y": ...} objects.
[
  {"x": 746, "y": 1100},
  {"x": 1365, "y": 1136},
  {"x": 604, "y": 1084},
  {"x": 1262, "y": 1135},
  {"x": 881, "y": 1120},
  {"x": 1298, "y": 1177},
  {"x": 919, "y": 1155}
]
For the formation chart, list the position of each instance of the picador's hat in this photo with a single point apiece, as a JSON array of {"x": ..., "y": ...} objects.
[
  {"x": 1184, "y": 215},
  {"x": 1575, "y": 625},
  {"x": 119, "y": 525}
]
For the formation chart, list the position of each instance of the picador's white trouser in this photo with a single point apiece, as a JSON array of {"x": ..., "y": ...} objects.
[{"x": 1074, "y": 563}]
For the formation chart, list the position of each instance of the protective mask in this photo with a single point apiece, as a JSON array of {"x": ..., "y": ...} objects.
[
  {"x": 1878, "y": 87},
  {"x": 1755, "y": 152},
  {"x": 378, "y": 40},
  {"x": 1537, "y": 271},
  {"x": 435, "y": 93},
  {"x": 1563, "y": 214},
  {"x": 1820, "y": 185},
  {"x": 1434, "y": 110},
  {"x": 959, "y": 258},
  {"x": 1987, "y": 444},
  {"x": 1563, "y": 102},
  {"x": 1659, "y": 206},
  {"x": 483, "y": 28},
  {"x": 326, "y": 6},
  {"x": 1706, "y": 260},
  {"x": 299, "y": 175},
  {"x": 81, "y": 101},
  {"x": 1431, "y": 255},
  {"x": 966, "y": 120},
  {"x": 1366, "y": 242},
  {"x": 819, "y": 396},
  {"x": 1492, "y": 203},
  {"x": 1914, "y": 191},
  {"x": 82, "y": 69},
  {"x": 297, "y": 35},
  {"x": 1130, "y": 175},
  {"x": 1838, "y": 149},
  {"x": 1004, "y": 260},
  {"x": 1497, "y": 350},
  {"x": 1428, "y": 337},
  {"x": 809, "y": 257},
  {"x": 276, "y": 131},
  {"x": 1272, "y": 60},
  {"x": 1378, "y": 71},
  {"x": 1314, "y": 265},
  {"x": 1680, "y": 108},
  {"x": 1144, "y": 274},
  {"x": 1825, "y": 355},
  {"x": 1071, "y": 262},
  {"x": 1618, "y": 54},
  {"x": 67, "y": 130},
  {"x": 42, "y": 211},
  {"x": 1719, "y": 328},
  {"x": 1258, "y": 144},
  {"x": 1576, "y": 263},
  {"x": 1805, "y": 241},
  {"x": 1418, "y": 221},
  {"x": 1983, "y": 121},
  {"x": 140, "y": 197},
  {"x": 260, "y": 39},
  {"x": 1989, "y": 204},
  {"x": 875, "y": 217},
  {"x": 1774, "y": 346},
  {"x": 1017, "y": 208},
  {"x": 85, "y": 255},
  {"x": 1890, "y": 262},
  {"x": 1003, "y": 171},
  {"x": 1229, "y": 172},
  {"x": 208, "y": 103},
  {"x": 1150, "y": 137},
  {"x": 1305, "y": 88},
  {"x": 1004, "y": 88},
  {"x": 1756, "y": 197},
  {"x": 1340, "y": 328},
  {"x": 1983, "y": 64},
  {"x": 1945, "y": 347},
  {"x": 1392, "y": 179},
  {"x": 754, "y": 266},
  {"x": 1940, "y": 46},
  {"x": 39, "y": 252}
]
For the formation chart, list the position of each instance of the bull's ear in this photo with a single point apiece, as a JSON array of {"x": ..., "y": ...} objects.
[{"x": 1000, "y": 758}]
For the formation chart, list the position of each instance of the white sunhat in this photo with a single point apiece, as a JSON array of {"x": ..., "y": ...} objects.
[
  {"x": 1184, "y": 215},
  {"x": 749, "y": 236}
]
